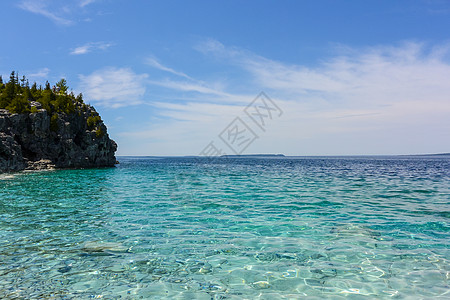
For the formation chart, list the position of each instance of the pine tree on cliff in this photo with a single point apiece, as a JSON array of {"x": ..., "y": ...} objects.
[
  {"x": 62, "y": 85},
  {"x": 9, "y": 92},
  {"x": 36, "y": 94},
  {"x": 20, "y": 104},
  {"x": 16, "y": 96}
]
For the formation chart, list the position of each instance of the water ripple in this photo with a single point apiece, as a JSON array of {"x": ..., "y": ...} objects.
[{"x": 230, "y": 229}]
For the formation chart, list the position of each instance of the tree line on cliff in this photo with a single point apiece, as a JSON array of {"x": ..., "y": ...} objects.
[{"x": 17, "y": 96}]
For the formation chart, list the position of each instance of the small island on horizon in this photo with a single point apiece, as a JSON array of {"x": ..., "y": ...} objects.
[
  {"x": 434, "y": 154},
  {"x": 251, "y": 155}
]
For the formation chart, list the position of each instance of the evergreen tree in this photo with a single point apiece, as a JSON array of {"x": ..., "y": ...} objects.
[
  {"x": 35, "y": 93},
  {"x": 80, "y": 98},
  {"x": 19, "y": 105},
  {"x": 46, "y": 100},
  {"x": 62, "y": 85},
  {"x": 27, "y": 94},
  {"x": 16, "y": 95},
  {"x": 12, "y": 78},
  {"x": 10, "y": 88}
]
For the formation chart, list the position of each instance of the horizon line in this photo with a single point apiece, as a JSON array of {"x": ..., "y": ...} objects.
[{"x": 279, "y": 155}]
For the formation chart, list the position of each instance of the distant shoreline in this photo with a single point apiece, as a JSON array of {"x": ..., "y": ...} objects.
[
  {"x": 437, "y": 154},
  {"x": 291, "y": 156},
  {"x": 253, "y": 155}
]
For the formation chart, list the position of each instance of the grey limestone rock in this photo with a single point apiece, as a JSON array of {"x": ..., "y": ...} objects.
[{"x": 28, "y": 141}]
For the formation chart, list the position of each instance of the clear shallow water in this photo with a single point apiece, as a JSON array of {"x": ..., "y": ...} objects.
[{"x": 353, "y": 228}]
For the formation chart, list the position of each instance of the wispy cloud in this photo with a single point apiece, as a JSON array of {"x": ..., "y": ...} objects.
[
  {"x": 212, "y": 46},
  {"x": 84, "y": 3},
  {"x": 60, "y": 12},
  {"x": 40, "y": 7},
  {"x": 114, "y": 87},
  {"x": 197, "y": 87},
  {"x": 153, "y": 62},
  {"x": 373, "y": 76},
  {"x": 89, "y": 47},
  {"x": 376, "y": 100},
  {"x": 188, "y": 84},
  {"x": 42, "y": 73}
]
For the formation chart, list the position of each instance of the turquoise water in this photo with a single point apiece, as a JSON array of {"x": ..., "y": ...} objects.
[{"x": 179, "y": 228}]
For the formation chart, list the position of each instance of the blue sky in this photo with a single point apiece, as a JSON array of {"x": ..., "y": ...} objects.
[{"x": 168, "y": 77}]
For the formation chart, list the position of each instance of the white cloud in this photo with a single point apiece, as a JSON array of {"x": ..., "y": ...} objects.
[
  {"x": 84, "y": 3},
  {"x": 153, "y": 62},
  {"x": 379, "y": 76},
  {"x": 89, "y": 47},
  {"x": 114, "y": 87},
  {"x": 201, "y": 88},
  {"x": 41, "y": 8},
  {"x": 371, "y": 77},
  {"x": 81, "y": 50},
  {"x": 378, "y": 100},
  {"x": 197, "y": 87},
  {"x": 42, "y": 73},
  {"x": 213, "y": 46},
  {"x": 59, "y": 12}
]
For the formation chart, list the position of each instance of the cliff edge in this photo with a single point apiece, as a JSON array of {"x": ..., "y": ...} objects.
[{"x": 43, "y": 135}]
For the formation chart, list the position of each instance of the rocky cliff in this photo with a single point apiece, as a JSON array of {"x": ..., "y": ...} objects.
[{"x": 37, "y": 140}]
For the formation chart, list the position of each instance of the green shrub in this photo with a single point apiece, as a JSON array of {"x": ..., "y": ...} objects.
[
  {"x": 19, "y": 105},
  {"x": 99, "y": 133},
  {"x": 92, "y": 121},
  {"x": 54, "y": 122}
]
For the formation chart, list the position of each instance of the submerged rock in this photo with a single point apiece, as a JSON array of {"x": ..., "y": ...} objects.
[
  {"x": 35, "y": 141},
  {"x": 260, "y": 285},
  {"x": 104, "y": 246}
]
